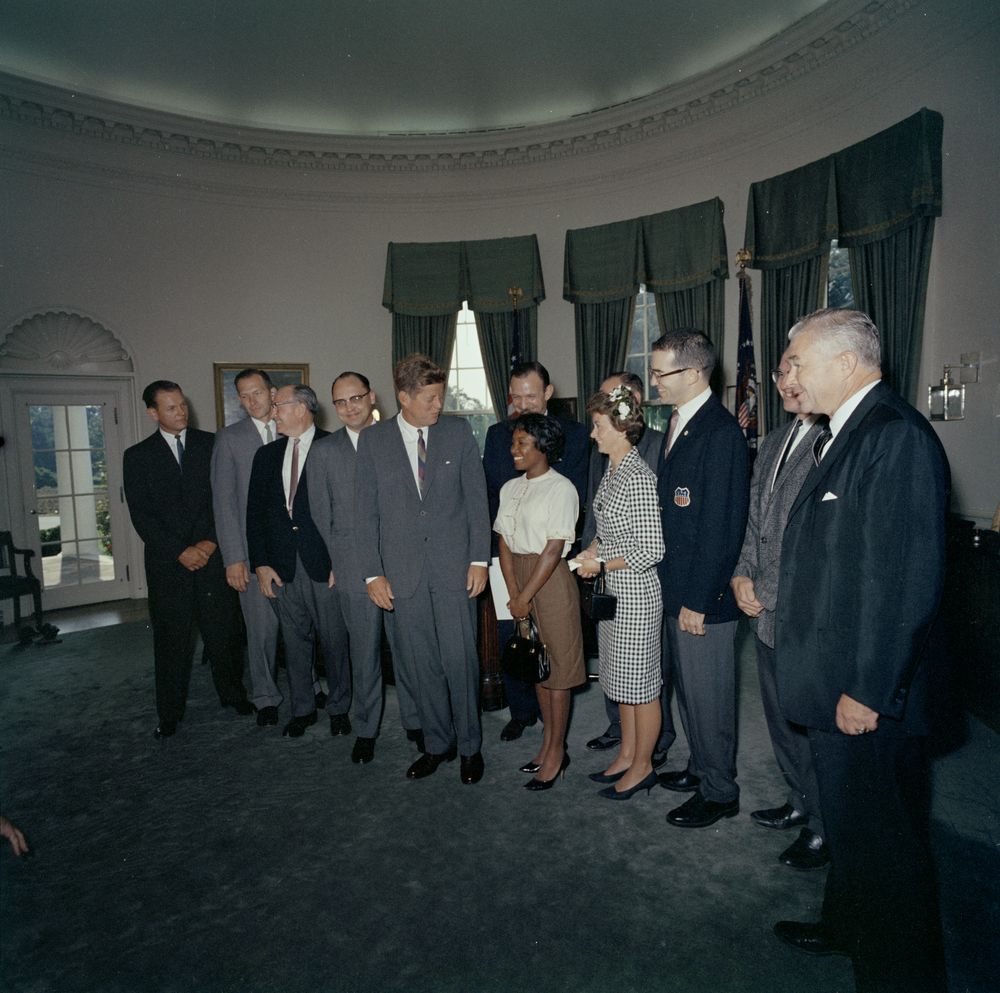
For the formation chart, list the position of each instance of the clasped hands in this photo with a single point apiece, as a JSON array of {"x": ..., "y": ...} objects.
[{"x": 196, "y": 556}]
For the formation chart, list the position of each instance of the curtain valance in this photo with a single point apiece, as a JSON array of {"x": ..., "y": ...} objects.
[{"x": 435, "y": 277}]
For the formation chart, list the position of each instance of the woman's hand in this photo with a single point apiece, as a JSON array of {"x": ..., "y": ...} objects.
[
  {"x": 589, "y": 567},
  {"x": 519, "y": 609}
]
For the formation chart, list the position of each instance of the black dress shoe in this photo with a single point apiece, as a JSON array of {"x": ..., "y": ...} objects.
[
  {"x": 472, "y": 768},
  {"x": 340, "y": 724},
  {"x": 267, "y": 716},
  {"x": 530, "y": 768},
  {"x": 241, "y": 705},
  {"x": 697, "y": 812},
  {"x": 604, "y": 741},
  {"x": 808, "y": 851},
  {"x": 603, "y": 777},
  {"x": 780, "y": 818},
  {"x": 417, "y": 737},
  {"x": 428, "y": 763},
  {"x": 363, "y": 751},
  {"x": 658, "y": 758},
  {"x": 810, "y": 938},
  {"x": 514, "y": 728},
  {"x": 321, "y": 699},
  {"x": 679, "y": 782},
  {"x": 165, "y": 729},
  {"x": 296, "y": 727}
]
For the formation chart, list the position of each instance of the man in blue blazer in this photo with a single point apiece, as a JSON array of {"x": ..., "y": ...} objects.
[
  {"x": 530, "y": 391},
  {"x": 862, "y": 571},
  {"x": 703, "y": 487},
  {"x": 423, "y": 549}
]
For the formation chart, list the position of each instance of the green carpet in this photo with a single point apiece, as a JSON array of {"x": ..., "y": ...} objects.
[{"x": 229, "y": 858}]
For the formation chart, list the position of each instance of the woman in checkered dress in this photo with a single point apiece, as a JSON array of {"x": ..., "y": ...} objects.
[{"x": 630, "y": 543}]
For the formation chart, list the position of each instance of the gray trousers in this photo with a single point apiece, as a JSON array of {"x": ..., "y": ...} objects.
[
  {"x": 262, "y": 645},
  {"x": 790, "y": 743},
  {"x": 437, "y": 662},
  {"x": 704, "y": 668},
  {"x": 362, "y": 620},
  {"x": 306, "y": 611}
]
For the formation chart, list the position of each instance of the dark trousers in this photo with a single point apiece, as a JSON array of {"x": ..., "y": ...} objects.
[
  {"x": 881, "y": 898},
  {"x": 181, "y": 602}
]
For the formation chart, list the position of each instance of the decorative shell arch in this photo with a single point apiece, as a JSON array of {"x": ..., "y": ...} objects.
[{"x": 61, "y": 342}]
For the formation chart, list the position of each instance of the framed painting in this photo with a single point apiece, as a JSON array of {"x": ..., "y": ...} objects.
[{"x": 227, "y": 403}]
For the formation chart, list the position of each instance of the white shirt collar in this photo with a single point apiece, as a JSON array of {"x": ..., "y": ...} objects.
[
  {"x": 353, "y": 435},
  {"x": 840, "y": 416},
  {"x": 688, "y": 409}
]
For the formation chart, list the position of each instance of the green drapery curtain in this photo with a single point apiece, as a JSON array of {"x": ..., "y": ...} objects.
[
  {"x": 496, "y": 337},
  {"x": 432, "y": 335},
  {"x": 492, "y": 267},
  {"x": 701, "y": 307},
  {"x": 602, "y": 333}
]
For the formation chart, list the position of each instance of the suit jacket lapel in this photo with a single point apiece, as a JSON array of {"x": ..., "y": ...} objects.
[
  {"x": 400, "y": 446},
  {"x": 164, "y": 454}
]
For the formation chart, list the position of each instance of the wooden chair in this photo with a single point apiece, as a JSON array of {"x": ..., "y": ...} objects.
[{"x": 13, "y": 586}]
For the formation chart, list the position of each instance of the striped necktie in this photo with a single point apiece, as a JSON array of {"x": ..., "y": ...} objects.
[
  {"x": 820, "y": 443},
  {"x": 180, "y": 451},
  {"x": 421, "y": 461}
]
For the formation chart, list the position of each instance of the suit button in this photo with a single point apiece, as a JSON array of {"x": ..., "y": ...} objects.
[
  {"x": 295, "y": 527},
  {"x": 763, "y": 540},
  {"x": 423, "y": 513}
]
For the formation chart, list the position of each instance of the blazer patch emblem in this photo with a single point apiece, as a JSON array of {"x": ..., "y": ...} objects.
[{"x": 682, "y": 497}]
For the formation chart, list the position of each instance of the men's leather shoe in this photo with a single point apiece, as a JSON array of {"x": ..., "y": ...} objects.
[
  {"x": 267, "y": 716},
  {"x": 808, "y": 851},
  {"x": 604, "y": 741},
  {"x": 339, "y": 724},
  {"x": 241, "y": 706},
  {"x": 417, "y": 737},
  {"x": 697, "y": 812},
  {"x": 780, "y": 818},
  {"x": 321, "y": 699},
  {"x": 472, "y": 768},
  {"x": 810, "y": 938},
  {"x": 165, "y": 729},
  {"x": 679, "y": 782},
  {"x": 428, "y": 763},
  {"x": 659, "y": 758},
  {"x": 296, "y": 727},
  {"x": 363, "y": 751},
  {"x": 514, "y": 728}
]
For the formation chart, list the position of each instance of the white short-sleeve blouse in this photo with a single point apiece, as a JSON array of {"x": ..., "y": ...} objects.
[{"x": 534, "y": 511}]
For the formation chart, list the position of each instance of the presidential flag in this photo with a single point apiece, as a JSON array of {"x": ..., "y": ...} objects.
[{"x": 746, "y": 369}]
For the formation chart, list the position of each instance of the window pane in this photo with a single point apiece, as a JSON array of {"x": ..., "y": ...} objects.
[
  {"x": 95, "y": 426},
  {"x": 839, "y": 292},
  {"x": 467, "y": 341},
  {"x": 42, "y": 427}
]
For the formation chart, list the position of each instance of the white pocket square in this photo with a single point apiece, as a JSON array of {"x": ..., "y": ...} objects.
[{"x": 829, "y": 496}]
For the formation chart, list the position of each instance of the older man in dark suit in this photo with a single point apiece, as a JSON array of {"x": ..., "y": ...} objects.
[
  {"x": 862, "y": 571},
  {"x": 783, "y": 462},
  {"x": 423, "y": 548},
  {"x": 170, "y": 501},
  {"x": 290, "y": 559},
  {"x": 703, "y": 488}
]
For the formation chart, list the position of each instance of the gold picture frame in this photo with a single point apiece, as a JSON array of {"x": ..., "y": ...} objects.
[{"x": 227, "y": 403}]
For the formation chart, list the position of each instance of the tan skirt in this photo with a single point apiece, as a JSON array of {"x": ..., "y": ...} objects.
[{"x": 556, "y": 608}]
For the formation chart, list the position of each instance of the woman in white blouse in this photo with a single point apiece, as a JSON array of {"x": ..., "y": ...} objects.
[{"x": 536, "y": 523}]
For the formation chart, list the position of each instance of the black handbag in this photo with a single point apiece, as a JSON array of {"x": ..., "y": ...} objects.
[
  {"x": 524, "y": 654},
  {"x": 597, "y": 604}
]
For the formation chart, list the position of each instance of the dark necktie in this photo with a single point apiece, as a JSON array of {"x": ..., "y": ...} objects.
[
  {"x": 788, "y": 448},
  {"x": 293, "y": 482},
  {"x": 671, "y": 431},
  {"x": 421, "y": 461},
  {"x": 820, "y": 443},
  {"x": 180, "y": 451}
]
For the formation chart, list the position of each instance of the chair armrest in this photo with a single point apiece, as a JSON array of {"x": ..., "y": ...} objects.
[{"x": 27, "y": 554}]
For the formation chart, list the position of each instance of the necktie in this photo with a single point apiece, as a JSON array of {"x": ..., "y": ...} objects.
[
  {"x": 821, "y": 439},
  {"x": 180, "y": 451},
  {"x": 269, "y": 433},
  {"x": 671, "y": 431},
  {"x": 421, "y": 461},
  {"x": 788, "y": 448},
  {"x": 293, "y": 481}
]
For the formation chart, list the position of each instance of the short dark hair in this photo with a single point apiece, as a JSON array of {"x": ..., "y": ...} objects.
[
  {"x": 691, "y": 348},
  {"x": 306, "y": 395},
  {"x": 415, "y": 372},
  {"x": 526, "y": 368},
  {"x": 156, "y": 387},
  {"x": 347, "y": 374},
  {"x": 630, "y": 380},
  {"x": 631, "y": 423},
  {"x": 247, "y": 373},
  {"x": 547, "y": 432}
]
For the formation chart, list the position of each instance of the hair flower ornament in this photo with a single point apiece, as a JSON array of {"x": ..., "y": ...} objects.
[{"x": 621, "y": 398}]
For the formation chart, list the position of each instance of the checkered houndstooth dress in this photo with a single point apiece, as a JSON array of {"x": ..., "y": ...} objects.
[{"x": 628, "y": 526}]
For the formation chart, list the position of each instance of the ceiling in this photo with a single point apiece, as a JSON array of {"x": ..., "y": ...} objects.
[{"x": 368, "y": 67}]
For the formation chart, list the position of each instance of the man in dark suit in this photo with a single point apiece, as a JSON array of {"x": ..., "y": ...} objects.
[
  {"x": 292, "y": 564},
  {"x": 862, "y": 570},
  {"x": 423, "y": 545},
  {"x": 782, "y": 464},
  {"x": 530, "y": 392},
  {"x": 232, "y": 460},
  {"x": 702, "y": 484},
  {"x": 170, "y": 501},
  {"x": 331, "y": 483},
  {"x": 650, "y": 447}
]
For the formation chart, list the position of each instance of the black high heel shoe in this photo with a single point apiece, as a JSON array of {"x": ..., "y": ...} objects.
[
  {"x": 603, "y": 777},
  {"x": 647, "y": 784},
  {"x": 546, "y": 784},
  {"x": 530, "y": 768}
]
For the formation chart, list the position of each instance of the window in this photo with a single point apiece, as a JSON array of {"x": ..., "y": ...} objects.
[
  {"x": 838, "y": 283},
  {"x": 645, "y": 330},
  {"x": 468, "y": 393}
]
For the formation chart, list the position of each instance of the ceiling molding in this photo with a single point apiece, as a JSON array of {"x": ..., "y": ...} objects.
[{"x": 808, "y": 45}]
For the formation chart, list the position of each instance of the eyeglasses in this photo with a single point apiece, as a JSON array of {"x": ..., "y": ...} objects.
[
  {"x": 656, "y": 375},
  {"x": 357, "y": 398},
  {"x": 777, "y": 375}
]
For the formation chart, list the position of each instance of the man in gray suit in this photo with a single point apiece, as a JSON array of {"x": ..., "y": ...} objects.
[
  {"x": 232, "y": 460},
  {"x": 782, "y": 465},
  {"x": 424, "y": 543},
  {"x": 331, "y": 483}
]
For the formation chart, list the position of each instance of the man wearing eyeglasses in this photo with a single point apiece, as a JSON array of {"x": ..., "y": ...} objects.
[
  {"x": 783, "y": 462},
  {"x": 292, "y": 563},
  {"x": 702, "y": 485}
]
